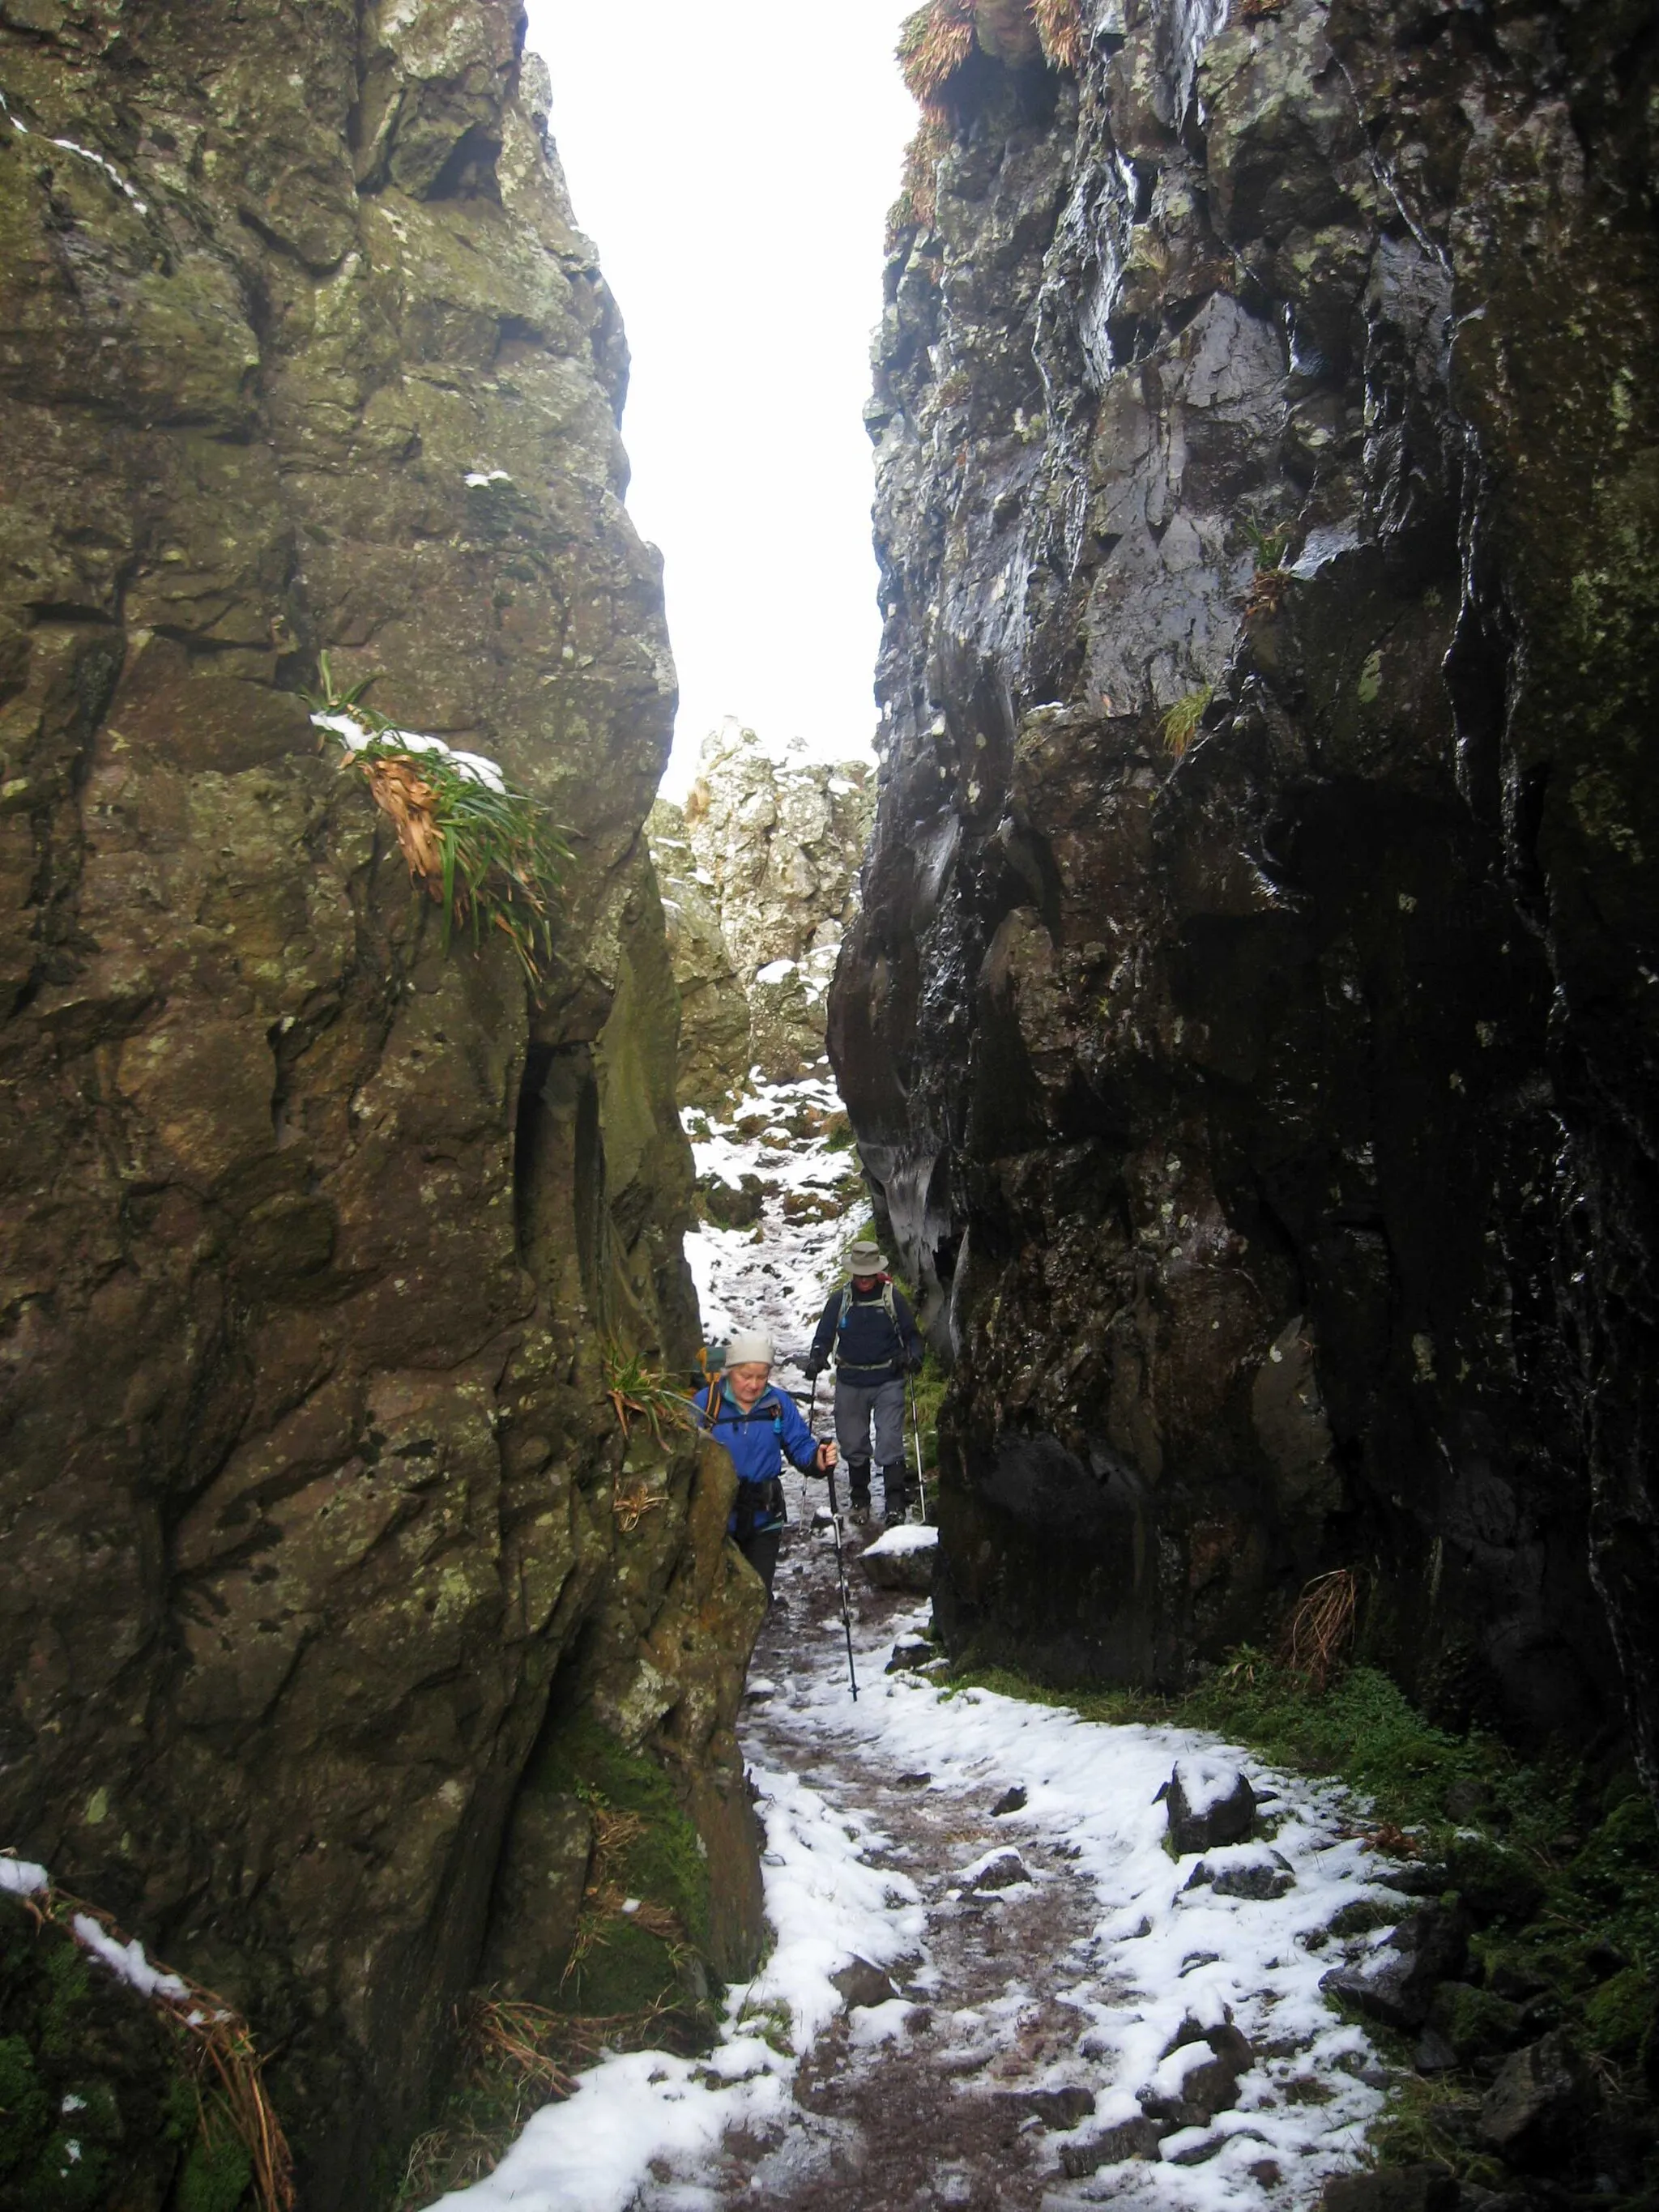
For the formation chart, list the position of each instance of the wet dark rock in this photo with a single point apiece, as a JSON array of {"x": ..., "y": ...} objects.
[
  {"x": 1537, "y": 2110},
  {"x": 1259, "y": 1877},
  {"x": 1060, "y": 2110},
  {"x": 1396, "y": 2189},
  {"x": 1207, "y": 1804},
  {"x": 1114, "y": 2146},
  {"x": 911, "y": 1651},
  {"x": 1417, "y": 1878},
  {"x": 1395, "y": 1984},
  {"x": 1209, "y": 2085},
  {"x": 1006, "y": 1870},
  {"x": 861, "y": 1983},
  {"x": 1012, "y": 1800},
  {"x": 1246, "y": 1027}
]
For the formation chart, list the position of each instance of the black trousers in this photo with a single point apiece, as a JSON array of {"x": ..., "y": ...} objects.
[{"x": 762, "y": 1553}]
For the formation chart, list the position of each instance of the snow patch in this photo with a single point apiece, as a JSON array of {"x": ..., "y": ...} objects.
[
  {"x": 904, "y": 1536},
  {"x": 356, "y": 736},
  {"x": 128, "y": 1960},
  {"x": 20, "y": 1877},
  {"x": 775, "y": 971}
]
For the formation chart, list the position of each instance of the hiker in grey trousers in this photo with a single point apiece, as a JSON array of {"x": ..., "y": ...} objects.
[{"x": 871, "y": 1334}]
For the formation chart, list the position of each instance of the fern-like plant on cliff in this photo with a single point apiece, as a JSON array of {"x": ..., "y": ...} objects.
[{"x": 486, "y": 854}]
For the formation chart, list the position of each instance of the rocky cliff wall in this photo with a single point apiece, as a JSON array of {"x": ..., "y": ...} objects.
[
  {"x": 778, "y": 844},
  {"x": 1249, "y": 1024},
  {"x": 313, "y": 1508},
  {"x": 759, "y": 871}
]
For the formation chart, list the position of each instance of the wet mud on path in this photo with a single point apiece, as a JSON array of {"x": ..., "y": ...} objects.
[{"x": 942, "y": 2109}]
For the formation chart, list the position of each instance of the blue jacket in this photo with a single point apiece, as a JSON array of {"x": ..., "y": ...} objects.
[{"x": 758, "y": 1439}]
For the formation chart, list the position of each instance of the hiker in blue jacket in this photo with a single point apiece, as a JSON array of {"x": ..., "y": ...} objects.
[
  {"x": 757, "y": 1426},
  {"x": 872, "y": 1332}
]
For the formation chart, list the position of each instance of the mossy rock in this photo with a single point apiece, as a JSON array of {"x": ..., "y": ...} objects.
[
  {"x": 92, "y": 2095},
  {"x": 1474, "y": 2023},
  {"x": 1621, "y": 2018},
  {"x": 1494, "y": 1883},
  {"x": 621, "y": 1967}
]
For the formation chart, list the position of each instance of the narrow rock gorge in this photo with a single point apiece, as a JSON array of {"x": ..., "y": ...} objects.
[
  {"x": 1249, "y": 1027},
  {"x": 334, "y": 1591}
]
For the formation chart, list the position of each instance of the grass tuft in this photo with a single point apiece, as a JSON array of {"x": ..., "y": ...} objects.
[
  {"x": 486, "y": 854},
  {"x": 1180, "y": 724},
  {"x": 643, "y": 1393}
]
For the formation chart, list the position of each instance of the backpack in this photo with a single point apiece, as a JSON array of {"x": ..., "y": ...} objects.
[{"x": 886, "y": 1307}]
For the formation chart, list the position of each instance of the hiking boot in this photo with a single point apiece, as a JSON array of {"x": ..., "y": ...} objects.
[
  {"x": 857, "y": 1487},
  {"x": 896, "y": 1495}
]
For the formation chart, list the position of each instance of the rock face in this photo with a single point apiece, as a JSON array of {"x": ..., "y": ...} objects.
[
  {"x": 1248, "y": 1024},
  {"x": 314, "y": 1511},
  {"x": 715, "y": 1056},
  {"x": 782, "y": 844}
]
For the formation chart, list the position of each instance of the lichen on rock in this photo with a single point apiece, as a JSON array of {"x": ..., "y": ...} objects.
[{"x": 313, "y": 1233}]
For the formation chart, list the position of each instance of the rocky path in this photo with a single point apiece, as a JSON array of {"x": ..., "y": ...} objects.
[{"x": 996, "y": 1982}]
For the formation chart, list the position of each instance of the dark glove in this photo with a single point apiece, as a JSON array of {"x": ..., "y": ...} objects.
[
  {"x": 812, "y": 1369},
  {"x": 914, "y": 1362}
]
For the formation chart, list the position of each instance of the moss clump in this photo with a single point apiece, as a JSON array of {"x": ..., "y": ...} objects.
[
  {"x": 94, "y": 2097},
  {"x": 216, "y": 2173},
  {"x": 647, "y": 1851}
]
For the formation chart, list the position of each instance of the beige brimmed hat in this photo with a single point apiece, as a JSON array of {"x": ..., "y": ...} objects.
[
  {"x": 749, "y": 1348},
  {"x": 867, "y": 1258}
]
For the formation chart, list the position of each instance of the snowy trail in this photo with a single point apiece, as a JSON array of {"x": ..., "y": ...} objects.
[{"x": 991, "y": 1984}]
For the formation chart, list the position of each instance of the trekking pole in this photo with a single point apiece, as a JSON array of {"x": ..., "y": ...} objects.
[
  {"x": 915, "y": 1434},
  {"x": 841, "y": 1576}
]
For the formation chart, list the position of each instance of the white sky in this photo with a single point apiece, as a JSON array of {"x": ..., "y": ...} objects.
[{"x": 733, "y": 161}]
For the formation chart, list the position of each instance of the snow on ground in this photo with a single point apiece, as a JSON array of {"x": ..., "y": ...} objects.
[
  {"x": 1159, "y": 1957},
  {"x": 777, "y": 1276}
]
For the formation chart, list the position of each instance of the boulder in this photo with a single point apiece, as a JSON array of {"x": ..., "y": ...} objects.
[
  {"x": 859, "y": 1983},
  {"x": 1004, "y": 1869},
  {"x": 1536, "y": 2111},
  {"x": 1012, "y": 1800},
  {"x": 1258, "y": 1874},
  {"x": 1473, "y": 2023},
  {"x": 902, "y": 1558},
  {"x": 1391, "y": 2189},
  {"x": 1494, "y": 1883},
  {"x": 1112, "y": 2146},
  {"x": 1207, "y": 1803},
  {"x": 1395, "y": 1984}
]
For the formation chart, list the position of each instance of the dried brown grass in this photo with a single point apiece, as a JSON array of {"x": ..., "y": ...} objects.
[
  {"x": 1321, "y": 1626},
  {"x": 1059, "y": 27},
  {"x": 938, "y": 39},
  {"x": 220, "y": 2052}
]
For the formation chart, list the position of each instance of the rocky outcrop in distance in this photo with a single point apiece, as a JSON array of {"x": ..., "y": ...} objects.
[
  {"x": 760, "y": 872},
  {"x": 323, "y": 1544},
  {"x": 1249, "y": 1026}
]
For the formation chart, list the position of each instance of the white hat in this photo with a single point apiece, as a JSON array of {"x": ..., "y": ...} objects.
[{"x": 749, "y": 1348}]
